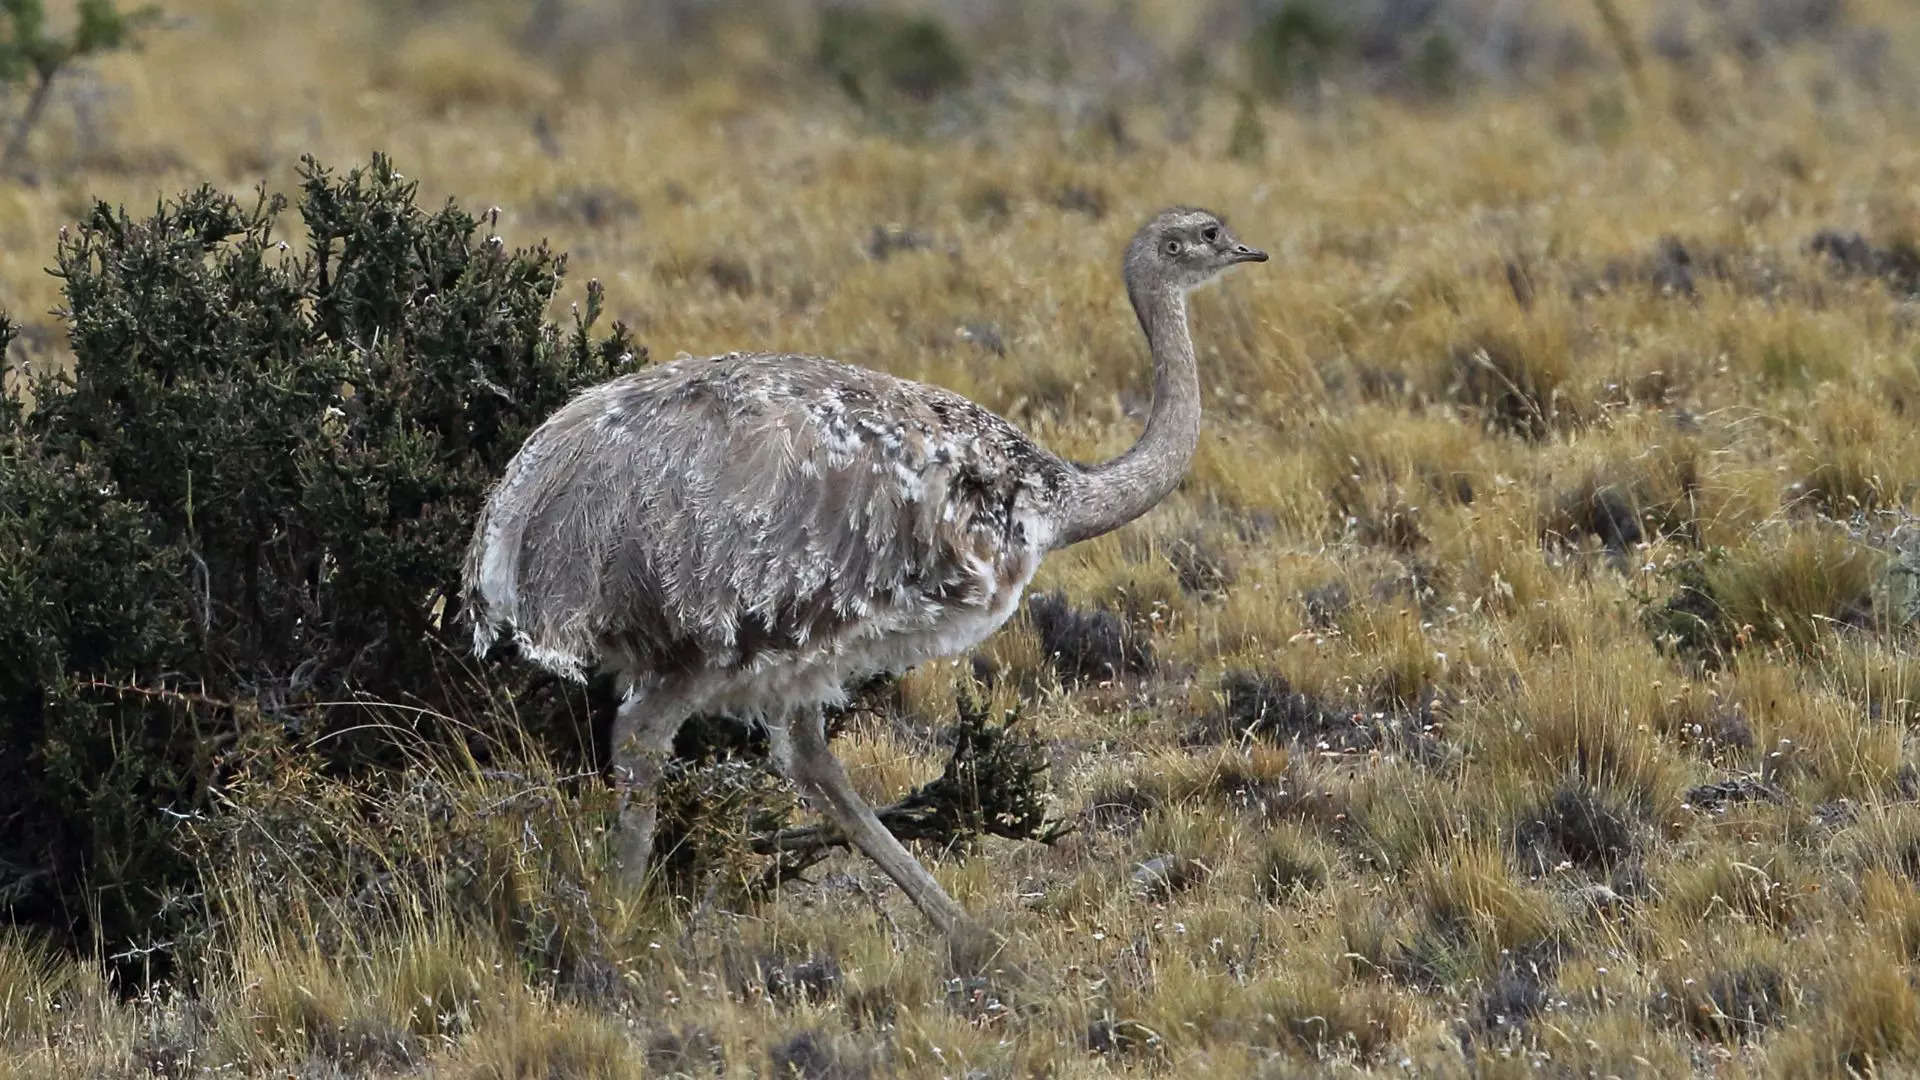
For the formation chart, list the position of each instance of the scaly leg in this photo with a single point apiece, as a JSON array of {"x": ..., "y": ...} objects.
[
  {"x": 643, "y": 731},
  {"x": 819, "y": 775}
]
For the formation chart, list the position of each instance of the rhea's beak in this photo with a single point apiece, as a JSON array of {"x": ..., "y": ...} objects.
[{"x": 1242, "y": 253}]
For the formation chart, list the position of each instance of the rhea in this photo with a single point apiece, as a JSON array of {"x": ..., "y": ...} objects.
[{"x": 744, "y": 534}]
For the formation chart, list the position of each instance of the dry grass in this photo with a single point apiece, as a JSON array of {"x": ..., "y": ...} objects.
[{"x": 1529, "y": 684}]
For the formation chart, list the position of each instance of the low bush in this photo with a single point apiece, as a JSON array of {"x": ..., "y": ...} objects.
[
  {"x": 235, "y": 523},
  {"x": 872, "y": 53}
]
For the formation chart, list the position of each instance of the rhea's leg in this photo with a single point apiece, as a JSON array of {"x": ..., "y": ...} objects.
[
  {"x": 643, "y": 731},
  {"x": 819, "y": 775}
]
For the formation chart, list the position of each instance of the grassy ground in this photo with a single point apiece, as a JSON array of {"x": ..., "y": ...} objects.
[{"x": 1523, "y": 679}]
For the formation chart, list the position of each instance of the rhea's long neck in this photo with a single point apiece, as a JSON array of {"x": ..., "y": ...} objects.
[{"x": 1111, "y": 494}]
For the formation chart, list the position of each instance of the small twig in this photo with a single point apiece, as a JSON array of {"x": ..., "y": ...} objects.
[
  {"x": 163, "y": 693},
  {"x": 801, "y": 839}
]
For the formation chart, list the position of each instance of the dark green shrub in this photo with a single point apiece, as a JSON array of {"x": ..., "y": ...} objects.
[
  {"x": 1437, "y": 64},
  {"x": 87, "y": 590},
  {"x": 1691, "y": 622},
  {"x": 868, "y": 52},
  {"x": 1294, "y": 47},
  {"x": 1408, "y": 49},
  {"x": 246, "y": 505}
]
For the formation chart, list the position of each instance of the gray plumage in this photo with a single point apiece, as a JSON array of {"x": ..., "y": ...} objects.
[
  {"x": 745, "y": 513},
  {"x": 746, "y": 533}
]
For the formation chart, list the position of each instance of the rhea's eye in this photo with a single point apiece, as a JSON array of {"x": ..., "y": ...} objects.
[
  {"x": 1173, "y": 247},
  {"x": 1210, "y": 233}
]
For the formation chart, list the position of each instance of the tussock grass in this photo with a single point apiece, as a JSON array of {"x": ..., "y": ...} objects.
[{"x": 33, "y": 982}]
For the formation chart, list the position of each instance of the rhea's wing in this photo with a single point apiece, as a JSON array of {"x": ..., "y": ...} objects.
[
  {"x": 814, "y": 496},
  {"x": 725, "y": 509}
]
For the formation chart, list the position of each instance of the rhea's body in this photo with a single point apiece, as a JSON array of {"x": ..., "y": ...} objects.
[{"x": 765, "y": 528}]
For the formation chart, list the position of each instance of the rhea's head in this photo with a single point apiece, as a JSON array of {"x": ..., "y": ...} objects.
[{"x": 1183, "y": 248}]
